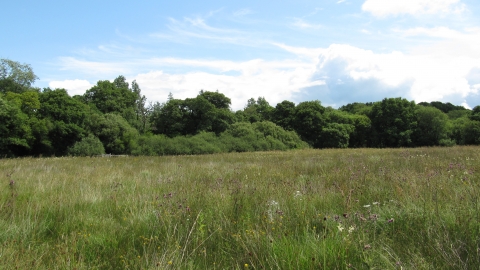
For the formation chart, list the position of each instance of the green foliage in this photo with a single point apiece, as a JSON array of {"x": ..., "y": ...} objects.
[
  {"x": 357, "y": 108},
  {"x": 27, "y": 101},
  {"x": 219, "y": 100},
  {"x": 309, "y": 121},
  {"x": 283, "y": 114},
  {"x": 475, "y": 115},
  {"x": 117, "y": 136},
  {"x": 239, "y": 137},
  {"x": 336, "y": 135},
  {"x": 455, "y": 114},
  {"x": 88, "y": 146},
  {"x": 114, "y": 97},
  {"x": 15, "y": 77},
  {"x": 255, "y": 111},
  {"x": 192, "y": 115},
  {"x": 14, "y": 129},
  {"x": 168, "y": 118},
  {"x": 431, "y": 126},
  {"x": 393, "y": 122},
  {"x": 57, "y": 105},
  {"x": 465, "y": 131},
  {"x": 444, "y": 107}
]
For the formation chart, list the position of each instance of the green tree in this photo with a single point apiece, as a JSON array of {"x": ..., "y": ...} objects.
[
  {"x": 444, "y": 107},
  {"x": 257, "y": 110},
  {"x": 141, "y": 110},
  {"x": 336, "y": 135},
  {"x": 114, "y": 97},
  {"x": 393, "y": 122},
  {"x": 169, "y": 118},
  {"x": 87, "y": 147},
  {"x": 431, "y": 126},
  {"x": 27, "y": 101},
  {"x": 219, "y": 100},
  {"x": 115, "y": 133},
  {"x": 14, "y": 129},
  {"x": 475, "y": 114},
  {"x": 15, "y": 77},
  {"x": 66, "y": 117},
  {"x": 283, "y": 114},
  {"x": 309, "y": 121}
]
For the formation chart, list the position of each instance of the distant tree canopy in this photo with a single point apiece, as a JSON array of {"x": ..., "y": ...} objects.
[
  {"x": 15, "y": 77},
  {"x": 113, "y": 117}
]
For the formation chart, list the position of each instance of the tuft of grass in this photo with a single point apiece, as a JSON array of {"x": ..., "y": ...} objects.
[{"x": 302, "y": 209}]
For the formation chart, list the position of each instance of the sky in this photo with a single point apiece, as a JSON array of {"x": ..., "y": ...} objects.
[{"x": 334, "y": 51}]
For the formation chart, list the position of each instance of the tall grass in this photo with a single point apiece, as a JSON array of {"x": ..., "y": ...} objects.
[{"x": 304, "y": 209}]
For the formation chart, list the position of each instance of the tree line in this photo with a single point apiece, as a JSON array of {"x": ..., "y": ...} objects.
[{"x": 114, "y": 117}]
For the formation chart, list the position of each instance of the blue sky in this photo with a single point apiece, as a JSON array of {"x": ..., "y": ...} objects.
[{"x": 336, "y": 51}]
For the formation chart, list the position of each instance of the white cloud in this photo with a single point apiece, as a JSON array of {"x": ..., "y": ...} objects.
[
  {"x": 383, "y": 8},
  {"x": 74, "y": 87},
  {"x": 418, "y": 77},
  {"x": 276, "y": 81}
]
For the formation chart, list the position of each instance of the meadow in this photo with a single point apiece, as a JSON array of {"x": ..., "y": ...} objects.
[{"x": 305, "y": 209}]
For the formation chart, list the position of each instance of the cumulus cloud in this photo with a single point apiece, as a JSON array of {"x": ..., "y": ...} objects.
[
  {"x": 74, "y": 87},
  {"x": 275, "y": 81},
  {"x": 384, "y": 8},
  {"x": 353, "y": 74}
]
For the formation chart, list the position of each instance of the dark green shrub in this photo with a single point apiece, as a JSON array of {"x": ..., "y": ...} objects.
[{"x": 88, "y": 146}]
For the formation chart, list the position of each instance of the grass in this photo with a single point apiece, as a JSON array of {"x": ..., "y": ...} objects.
[{"x": 305, "y": 209}]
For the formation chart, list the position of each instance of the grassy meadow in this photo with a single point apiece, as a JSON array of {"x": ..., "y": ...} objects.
[{"x": 305, "y": 209}]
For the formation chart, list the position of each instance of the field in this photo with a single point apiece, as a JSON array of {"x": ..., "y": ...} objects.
[{"x": 306, "y": 209}]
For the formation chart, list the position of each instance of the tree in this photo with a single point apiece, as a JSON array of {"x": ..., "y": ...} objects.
[
  {"x": 475, "y": 115},
  {"x": 65, "y": 117},
  {"x": 309, "y": 121},
  {"x": 15, "y": 77},
  {"x": 27, "y": 101},
  {"x": 219, "y": 100},
  {"x": 15, "y": 132},
  {"x": 88, "y": 146},
  {"x": 283, "y": 114},
  {"x": 393, "y": 122},
  {"x": 259, "y": 110},
  {"x": 116, "y": 135},
  {"x": 335, "y": 135},
  {"x": 113, "y": 97},
  {"x": 444, "y": 107},
  {"x": 431, "y": 126},
  {"x": 169, "y": 118},
  {"x": 141, "y": 111}
]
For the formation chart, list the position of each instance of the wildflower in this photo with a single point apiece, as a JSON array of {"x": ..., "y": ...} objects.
[
  {"x": 367, "y": 205},
  {"x": 340, "y": 227},
  {"x": 351, "y": 229},
  {"x": 375, "y": 203},
  {"x": 246, "y": 265},
  {"x": 367, "y": 246},
  {"x": 391, "y": 220},
  {"x": 170, "y": 262}
]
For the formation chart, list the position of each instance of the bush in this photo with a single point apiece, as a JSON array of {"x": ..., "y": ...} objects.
[{"x": 88, "y": 146}]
